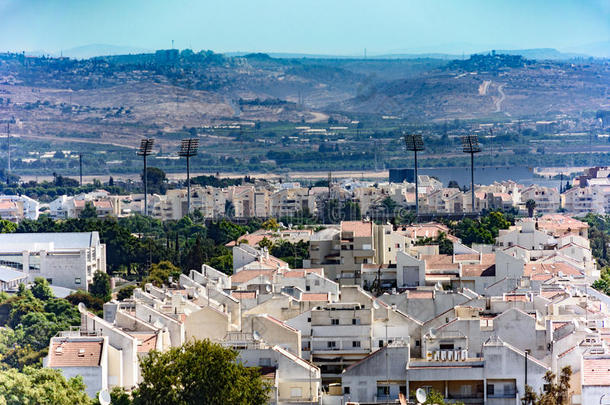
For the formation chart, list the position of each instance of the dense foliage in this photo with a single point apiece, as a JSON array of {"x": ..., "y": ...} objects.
[
  {"x": 482, "y": 230},
  {"x": 28, "y": 320},
  {"x": 43, "y": 386},
  {"x": 199, "y": 372}
]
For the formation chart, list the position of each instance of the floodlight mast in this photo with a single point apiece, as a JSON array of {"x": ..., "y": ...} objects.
[
  {"x": 470, "y": 144},
  {"x": 188, "y": 149},
  {"x": 415, "y": 143},
  {"x": 145, "y": 150}
]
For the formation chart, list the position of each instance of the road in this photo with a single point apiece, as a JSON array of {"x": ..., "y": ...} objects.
[{"x": 501, "y": 99}]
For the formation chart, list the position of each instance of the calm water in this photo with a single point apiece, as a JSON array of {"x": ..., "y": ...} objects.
[{"x": 487, "y": 175}]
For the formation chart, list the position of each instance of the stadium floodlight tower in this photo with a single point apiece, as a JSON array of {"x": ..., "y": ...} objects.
[
  {"x": 188, "y": 149},
  {"x": 145, "y": 150},
  {"x": 470, "y": 144},
  {"x": 415, "y": 143}
]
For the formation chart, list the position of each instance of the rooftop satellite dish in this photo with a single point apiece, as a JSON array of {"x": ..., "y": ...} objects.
[
  {"x": 432, "y": 332},
  {"x": 421, "y": 395},
  {"x": 256, "y": 335},
  {"x": 104, "y": 397},
  {"x": 375, "y": 304}
]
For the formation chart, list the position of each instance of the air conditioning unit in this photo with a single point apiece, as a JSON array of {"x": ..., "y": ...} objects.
[
  {"x": 436, "y": 356},
  {"x": 428, "y": 355},
  {"x": 450, "y": 355},
  {"x": 443, "y": 355},
  {"x": 457, "y": 355},
  {"x": 464, "y": 354}
]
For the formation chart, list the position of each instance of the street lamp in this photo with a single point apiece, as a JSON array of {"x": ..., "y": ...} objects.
[
  {"x": 415, "y": 143},
  {"x": 188, "y": 149},
  {"x": 145, "y": 150},
  {"x": 470, "y": 144}
]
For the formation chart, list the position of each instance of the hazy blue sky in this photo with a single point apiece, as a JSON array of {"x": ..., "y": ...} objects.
[{"x": 309, "y": 26}]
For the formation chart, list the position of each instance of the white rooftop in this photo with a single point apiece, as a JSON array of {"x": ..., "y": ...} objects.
[{"x": 19, "y": 242}]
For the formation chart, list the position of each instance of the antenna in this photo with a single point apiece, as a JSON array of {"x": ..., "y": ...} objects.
[
  {"x": 188, "y": 149},
  {"x": 470, "y": 144},
  {"x": 145, "y": 150},
  {"x": 415, "y": 143},
  {"x": 421, "y": 395},
  {"x": 104, "y": 397}
]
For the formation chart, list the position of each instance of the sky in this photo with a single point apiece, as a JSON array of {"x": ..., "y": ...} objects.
[{"x": 335, "y": 27}]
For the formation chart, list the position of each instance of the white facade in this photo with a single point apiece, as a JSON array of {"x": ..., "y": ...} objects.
[{"x": 65, "y": 259}]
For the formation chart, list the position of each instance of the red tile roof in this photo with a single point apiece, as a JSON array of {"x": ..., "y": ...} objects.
[
  {"x": 596, "y": 372},
  {"x": 241, "y": 295},
  {"x": 314, "y": 297},
  {"x": 420, "y": 294},
  {"x": 76, "y": 353},
  {"x": 358, "y": 228},
  {"x": 246, "y": 275}
]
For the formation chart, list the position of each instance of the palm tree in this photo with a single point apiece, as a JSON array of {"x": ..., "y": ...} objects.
[{"x": 530, "y": 205}]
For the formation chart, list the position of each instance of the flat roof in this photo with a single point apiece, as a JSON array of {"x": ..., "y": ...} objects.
[{"x": 11, "y": 242}]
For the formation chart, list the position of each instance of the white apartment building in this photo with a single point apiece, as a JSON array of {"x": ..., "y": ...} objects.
[
  {"x": 65, "y": 259},
  {"x": 17, "y": 207}
]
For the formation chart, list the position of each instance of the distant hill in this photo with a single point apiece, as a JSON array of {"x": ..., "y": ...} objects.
[{"x": 93, "y": 50}]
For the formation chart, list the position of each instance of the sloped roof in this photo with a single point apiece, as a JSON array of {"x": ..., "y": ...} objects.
[{"x": 76, "y": 353}]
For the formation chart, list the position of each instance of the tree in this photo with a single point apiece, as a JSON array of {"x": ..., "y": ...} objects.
[
  {"x": 530, "y": 205},
  {"x": 453, "y": 184},
  {"x": 554, "y": 393},
  {"x": 155, "y": 180},
  {"x": 7, "y": 226},
  {"x": 160, "y": 273},
  {"x": 41, "y": 289},
  {"x": 41, "y": 386},
  {"x": 271, "y": 224},
  {"x": 265, "y": 243},
  {"x": 199, "y": 372},
  {"x": 89, "y": 211},
  {"x": 100, "y": 287},
  {"x": 125, "y": 292}
]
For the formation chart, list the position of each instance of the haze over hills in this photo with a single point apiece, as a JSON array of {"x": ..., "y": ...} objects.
[{"x": 126, "y": 96}]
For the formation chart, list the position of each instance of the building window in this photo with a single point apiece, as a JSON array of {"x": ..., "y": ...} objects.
[
  {"x": 417, "y": 343},
  {"x": 334, "y": 322},
  {"x": 356, "y": 343},
  {"x": 383, "y": 391},
  {"x": 490, "y": 390},
  {"x": 309, "y": 320},
  {"x": 295, "y": 392},
  {"x": 307, "y": 288},
  {"x": 331, "y": 344},
  {"x": 346, "y": 390},
  {"x": 356, "y": 321},
  {"x": 77, "y": 280},
  {"x": 381, "y": 343},
  {"x": 447, "y": 346}
]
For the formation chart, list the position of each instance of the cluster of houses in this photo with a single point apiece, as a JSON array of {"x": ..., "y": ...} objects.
[
  {"x": 263, "y": 199},
  {"x": 373, "y": 315},
  {"x": 590, "y": 193}
]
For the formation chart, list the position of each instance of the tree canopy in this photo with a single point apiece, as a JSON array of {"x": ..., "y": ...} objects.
[{"x": 199, "y": 372}]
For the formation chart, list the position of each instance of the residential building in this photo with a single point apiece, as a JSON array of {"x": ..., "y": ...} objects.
[{"x": 65, "y": 259}]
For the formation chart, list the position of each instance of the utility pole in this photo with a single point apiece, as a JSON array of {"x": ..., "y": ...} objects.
[
  {"x": 80, "y": 165},
  {"x": 415, "y": 143},
  {"x": 145, "y": 150},
  {"x": 470, "y": 144},
  {"x": 8, "y": 149},
  {"x": 188, "y": 149}
]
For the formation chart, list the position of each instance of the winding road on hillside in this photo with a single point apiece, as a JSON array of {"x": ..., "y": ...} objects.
[{"x": 499, "y": 101}]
